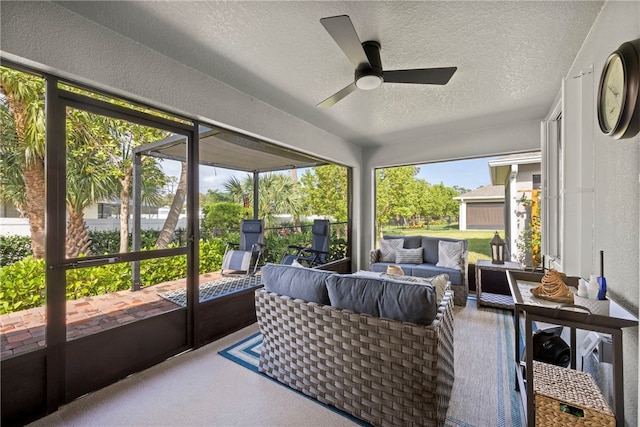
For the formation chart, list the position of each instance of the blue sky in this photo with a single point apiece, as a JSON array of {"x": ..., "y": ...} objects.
[{"x": 470, "y": 174}]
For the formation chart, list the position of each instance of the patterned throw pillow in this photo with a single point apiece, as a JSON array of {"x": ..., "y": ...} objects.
[
  {"x": 409, "y": 256},
  {"x": 388, "y": 249},
  {"x": 450, "y": 254}
]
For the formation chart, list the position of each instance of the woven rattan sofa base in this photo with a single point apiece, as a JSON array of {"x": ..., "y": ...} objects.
[{"x": 385, "y": 372}]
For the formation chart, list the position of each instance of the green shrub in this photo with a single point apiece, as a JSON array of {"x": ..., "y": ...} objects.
[
  {"x": 22, "y": 285},
  {"x": 23, "y": 282},
  {"x": 13, "y": 249}
]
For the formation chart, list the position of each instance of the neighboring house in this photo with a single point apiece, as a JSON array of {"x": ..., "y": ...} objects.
[
  {"x": 520, "y": 175},
  {"x": 482, "y": 208}
]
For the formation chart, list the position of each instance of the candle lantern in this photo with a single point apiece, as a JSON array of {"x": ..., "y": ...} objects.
[{"x": 497, "y": 249}]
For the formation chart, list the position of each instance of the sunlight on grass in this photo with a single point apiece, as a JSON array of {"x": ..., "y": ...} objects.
[{"x": 478, "y": 239}]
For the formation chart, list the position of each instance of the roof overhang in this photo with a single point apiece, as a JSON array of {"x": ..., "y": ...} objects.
[
  {"x": 231, "y": 150},
  {"x": 500, "y": 168}
]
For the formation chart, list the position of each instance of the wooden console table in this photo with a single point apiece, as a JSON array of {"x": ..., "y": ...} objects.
[
  {"x": 538, "y": 310},
  {"x": 488, "y": 298}
]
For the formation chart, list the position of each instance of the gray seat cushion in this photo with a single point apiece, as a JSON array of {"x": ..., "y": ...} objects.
[
  {"x": 307, "y": 284},
  {"x": 381, "y": 267},
  {"x": 428, "y": 270},
  {"x": 403, "y": 301}
]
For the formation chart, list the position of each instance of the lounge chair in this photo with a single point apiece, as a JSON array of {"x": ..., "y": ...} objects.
[
  {"x": 245, "y": 255},
  {"x": 314, "y": 254}
]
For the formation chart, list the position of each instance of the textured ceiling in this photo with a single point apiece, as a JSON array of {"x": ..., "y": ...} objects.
[{"x": 511, "y": 57}]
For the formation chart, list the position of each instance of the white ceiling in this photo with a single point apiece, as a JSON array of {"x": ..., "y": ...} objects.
[{"x": 511, "y": 56}]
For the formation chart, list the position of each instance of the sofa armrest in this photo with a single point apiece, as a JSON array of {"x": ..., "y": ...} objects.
[
  {"x": 374, "y": 256},
  {"x": 465, "y": 269}
]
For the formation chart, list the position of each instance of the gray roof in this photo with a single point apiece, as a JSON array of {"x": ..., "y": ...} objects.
[{"x": 484, "y": 192}]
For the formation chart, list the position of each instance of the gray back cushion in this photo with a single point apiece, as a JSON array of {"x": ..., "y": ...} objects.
[
  {"x": 391, "y": 299},
  {"x": 410, "y": 242},
  {"x": 430, "y": 248},
  {"x": 296, "y": 282}
]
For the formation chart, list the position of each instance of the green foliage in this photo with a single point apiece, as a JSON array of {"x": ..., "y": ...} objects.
[
  {"x": 23, "y": 283},
  {"x": 529, "y": 242},
  {"x": 277, "y": 194},
  {"x": 224, "y": 215},
  {"x": 108, "y": 242},
  {"x": 13, "y": 249},
  {"x": 324, "y": 191},
  {"x": 211, "y": 252},
  {"x": 403, "y": 197}
]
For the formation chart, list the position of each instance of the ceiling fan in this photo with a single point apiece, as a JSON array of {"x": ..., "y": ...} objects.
[{"x": 366, "y": 58}]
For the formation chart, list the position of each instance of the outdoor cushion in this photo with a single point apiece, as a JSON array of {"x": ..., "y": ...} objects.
[
  {"x": 391, "y": 299},
  {"x": 439, "y": 282},
  {"x": 430, "y": 248},
  {"x": 450, "y": 254},
  {"x": 429, "y": 270},
  {"x": 388, "y": 249},
  {"x": 409, "y": 242},
  {"x": 381, "y": 267},
  {"x": 303, "y": 283},
  {"x": 409, "y": 256}
]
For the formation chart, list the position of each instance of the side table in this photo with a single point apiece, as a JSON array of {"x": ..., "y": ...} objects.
[{"x": 490, "y": 299}]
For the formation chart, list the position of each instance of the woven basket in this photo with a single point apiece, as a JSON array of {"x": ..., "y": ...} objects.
[{"x": 557, "y": 388}]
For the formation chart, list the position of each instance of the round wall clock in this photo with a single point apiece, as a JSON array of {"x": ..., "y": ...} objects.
[{"x": 619, "y": 92}]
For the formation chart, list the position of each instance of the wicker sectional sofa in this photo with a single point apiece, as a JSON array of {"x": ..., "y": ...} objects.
[
  {"x": 428, "y": 264},
  {"x": 383, "y": 371}
]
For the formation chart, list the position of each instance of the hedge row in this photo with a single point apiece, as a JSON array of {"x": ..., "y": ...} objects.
[{"x": 23, "y": 283}]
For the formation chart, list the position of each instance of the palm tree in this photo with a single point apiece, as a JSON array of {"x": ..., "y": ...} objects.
[
  {"x": 24, "y": 95},
  {"x": 276, "y": 195},
  {"x": 89, "y": 178},
  {"x": 169, "y": 227}
]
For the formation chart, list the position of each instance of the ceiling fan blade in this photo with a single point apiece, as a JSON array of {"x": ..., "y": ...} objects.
[
  {"x": 342, "y": 30},
  {"x": 337, "y": 96},
  {"x": 430, "y": 76}
]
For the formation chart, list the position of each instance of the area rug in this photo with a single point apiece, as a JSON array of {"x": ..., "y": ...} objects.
[
  {"x": 247, "y": 353},
  {"x": 483, "y": 391},
  {"x": 213, "y": 289}
]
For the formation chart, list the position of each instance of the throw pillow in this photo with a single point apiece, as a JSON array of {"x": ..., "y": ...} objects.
[
  {"x": 406, "y": 302},
  {"x": 450, "y": 254},
  {"x": 439, "y": 282},
  {"x": 409, "y": 256},
  {"x": 388, "y": 249},
  {"x": 307, "y": 284}
]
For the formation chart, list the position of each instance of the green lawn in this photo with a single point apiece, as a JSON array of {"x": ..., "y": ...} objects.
[{"x": 478, "y": 239}]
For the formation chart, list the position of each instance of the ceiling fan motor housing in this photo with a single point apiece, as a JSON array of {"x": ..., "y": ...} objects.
[{"x": 366, "y": 77}]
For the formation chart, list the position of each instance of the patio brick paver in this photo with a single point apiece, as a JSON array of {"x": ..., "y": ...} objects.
[{"x": 24, "y": 331}]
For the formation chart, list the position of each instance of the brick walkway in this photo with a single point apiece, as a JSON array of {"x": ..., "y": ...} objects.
[{"x": 23, "y": 331}]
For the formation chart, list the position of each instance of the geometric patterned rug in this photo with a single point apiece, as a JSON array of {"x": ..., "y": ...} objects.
[
  {"x": 483, "y": 393},
  {"x": 247, "y": 353},
  {"x": 210, "y": 290}
]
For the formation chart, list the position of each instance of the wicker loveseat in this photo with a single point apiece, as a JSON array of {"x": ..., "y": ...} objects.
[
  {"x": 428, "y": 262},
  {"x": 385, "y": 372}
]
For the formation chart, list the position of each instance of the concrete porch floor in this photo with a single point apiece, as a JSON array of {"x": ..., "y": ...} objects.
[{"x": 23, "y": 331}]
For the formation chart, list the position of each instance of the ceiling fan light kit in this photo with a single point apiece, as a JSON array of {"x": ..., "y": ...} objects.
[{"x": 365, "y": 57}]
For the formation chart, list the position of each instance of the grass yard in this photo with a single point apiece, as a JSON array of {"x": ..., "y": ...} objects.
[{"x": 478, "y": 239}]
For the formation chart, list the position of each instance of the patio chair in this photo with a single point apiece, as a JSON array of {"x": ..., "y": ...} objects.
[
  {"x": 314, "y": 254},
  {"x": 245, "y": 255}
]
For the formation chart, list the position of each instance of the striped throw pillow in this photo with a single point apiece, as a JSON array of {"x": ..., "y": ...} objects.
[{"x": 409, "y": 256}]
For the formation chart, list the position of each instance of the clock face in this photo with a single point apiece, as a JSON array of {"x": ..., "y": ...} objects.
[{"x": 612, "y": 93}]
